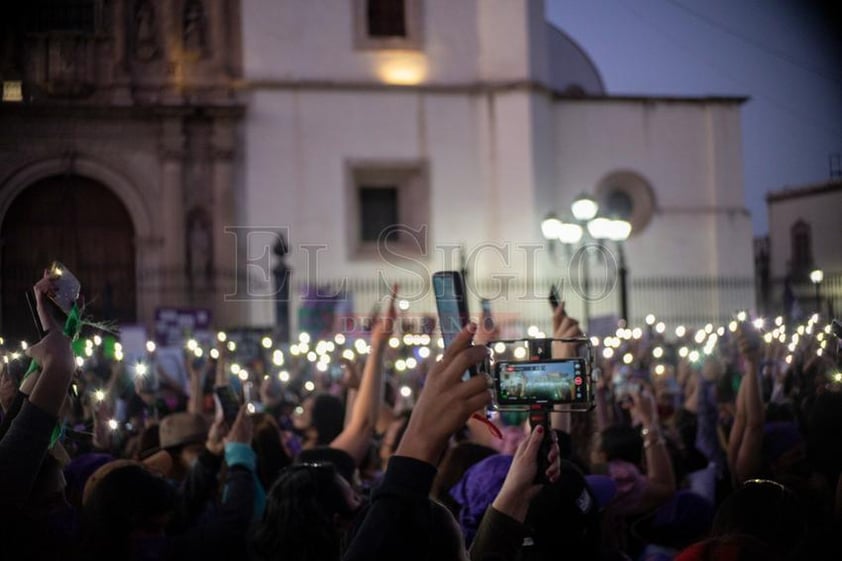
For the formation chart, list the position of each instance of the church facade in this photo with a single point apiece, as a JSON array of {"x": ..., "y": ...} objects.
[{"x": 371, "y": 140}]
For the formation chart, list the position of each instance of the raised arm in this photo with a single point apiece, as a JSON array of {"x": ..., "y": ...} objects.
[
  {"x": 356, "y": 436},
  {"x": 749, "y": 456},
  {"x": 659, "y": 472}
]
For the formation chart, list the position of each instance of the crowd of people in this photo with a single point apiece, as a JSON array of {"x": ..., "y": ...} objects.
[{"x": 717, "y": 443}]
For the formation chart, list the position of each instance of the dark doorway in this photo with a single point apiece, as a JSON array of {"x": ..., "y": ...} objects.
[{"x": 80, "y": 223}]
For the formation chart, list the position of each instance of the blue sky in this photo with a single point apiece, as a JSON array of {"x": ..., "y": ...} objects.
[{"x": 786, "y": 55}]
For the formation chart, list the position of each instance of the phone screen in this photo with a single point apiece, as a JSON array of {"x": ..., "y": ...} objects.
[
  {"x": 229, "y": 402},
  {"x": 554, "y": 381},
  {"x": 554, "y": 297},
  {"x": 452, "y": 304}
]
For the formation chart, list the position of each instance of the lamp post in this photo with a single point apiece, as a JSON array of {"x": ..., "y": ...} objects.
[
  {"x": 585, "y": 212},
  {"x": 816, "y": 277}
]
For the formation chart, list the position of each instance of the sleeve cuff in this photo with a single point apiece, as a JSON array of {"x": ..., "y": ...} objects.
[{"x": 239, "y": 454}]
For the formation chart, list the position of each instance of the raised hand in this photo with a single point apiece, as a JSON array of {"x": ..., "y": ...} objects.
[
  {"x": 447, "y": 401},
  {"x": 564, "y": 327},
  {"x": 384, "y": 326}
]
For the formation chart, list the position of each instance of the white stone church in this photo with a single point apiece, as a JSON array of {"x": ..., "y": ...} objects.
[{"x": 383, "y": 138}]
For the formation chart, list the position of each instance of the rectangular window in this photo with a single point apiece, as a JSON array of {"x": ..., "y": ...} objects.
[
  {"x": 389, "y": 204},
  {"x": 388, "y": 24},
  {"x": 386, "y": 18},
  {"x": 378, "y": 213}
]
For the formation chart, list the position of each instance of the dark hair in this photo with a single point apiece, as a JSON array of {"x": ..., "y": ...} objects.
[
  {"x": 622, "y": 442},
  {"x": 266, "y": 443},
  {"x": 127, "y": 499},
  {"x": 298, "y": 520},
  {"x": 341, "y": 460},
  {"x": 327, "y": 417},
  {"x": 765, "y": 510}
]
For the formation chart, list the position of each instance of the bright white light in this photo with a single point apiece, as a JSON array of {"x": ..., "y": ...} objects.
[
  {"x": 816, "y": 276},
  {"x": 235, "y": 368},
  {"x": 192, "y": 344},
  {"x": 407, "y": 339},
  {"x": 600, "y": 228},
  {"x": 607, "y": 352},
  {"x": 439, "y": 357},
  {"x": 658, "y": 352},
  {"x": 299, "y": 410},
  {"x": 683, "y": 351},
  {"x": 411, "y": 362},
  {"x": 814, "y": 318},
  {"x": 214, "y": 354},
  {"x": 741, "y": 316},
  {"x": 660, "y": 369},
  {"x": 620, "y": 230},
  {"x": 758, "y": 323},
  {"x": 250, "y": 408},
  {"x": 243, "y": 375},
  {"x": 97, "y": 340},
  {"x": 628, "y": 358},
  {"x": 779, "y": 320},
  {"x": 278, "y": 358},
  {"x": 231, "y": 346},
  {"x": 570, "y": 233},
  {"x": 89, "y": 351},
  {"x": 837, "y": 377},
  {"x": 322, "y": 366},
  {"x": 198, "y": 352},
  {"x": 113, "y": 424},
  {"x": 637, "y": 333},
  {"x": 403, "y": 305},
  {"x": 304, "y": 337},
  {"x": 708, "y": 328},
  {"x": 303, "y": 348},
  {"x": 24, "y": 345},
  {"x": 424, "y": 352},
  {"x": 80, "y": 362},
  {"x": 309, "y": 385},
  {"x": 424, "y": 339},
  {"x": 221, "y": 336},
  {"x": 293, "y": 350},
  {"x": 650, "y": 319},
  {"x": 141, "y": 369},
  {"x": 584, "y": 208},
  {"x": 348, "y": 354},
  {"x": 660, "y": 327},
  {"x": 99, "y": 395},
  {"x": 440, "y": 342},
  {"x": 532, "y": 331},
  {"x": 720, "y": 331},
  {"x": 788, "y": 359},
  {"x": 680, "y": 331},
  {"x": 693, "y": 356},
  {"x": 499, "y": 347},
  {"x": 118, "y": 355},
  {"x": 311, "y": 356},
  {"x": 520, "y": 352},
  {"x": 394, "y": 342},
  {"x": 283, "y": 376},
  {"x": 819, "y": 352},
  {"x": 150, "y": 346},
  {"x": 767, "y": 338},
  {"x": 339, "y": 338},
  {"x": 551, "y": 227},
  {"x": 700, "y": 336},
  {"x": 266, "y": 342},
  {"x": 321, "y": 347},
  {"x": 400, "y": 365}
]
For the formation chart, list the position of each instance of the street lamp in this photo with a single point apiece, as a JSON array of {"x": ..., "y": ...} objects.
[
  {"x": 816, "y": 277},
  {"x": 600, "y": 228}
]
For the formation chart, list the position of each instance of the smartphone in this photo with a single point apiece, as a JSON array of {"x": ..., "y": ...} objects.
[
  {"x": 229, "y": 402},
  {"x": 545, "y": 382},
  {"x": 67, "y": 287},
  {"x": 486, "y": 306},
  {"x": 555, "y": 299},
  {"x": 452, "y": 305}
]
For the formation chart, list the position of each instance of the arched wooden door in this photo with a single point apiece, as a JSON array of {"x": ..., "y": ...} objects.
[{"x": 81, "y": 223}]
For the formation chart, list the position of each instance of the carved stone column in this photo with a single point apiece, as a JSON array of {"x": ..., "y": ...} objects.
[{"x": 171, "y": 146}]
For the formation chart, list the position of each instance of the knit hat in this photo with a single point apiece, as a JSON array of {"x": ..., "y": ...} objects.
[{"x": 477, "y": 489}]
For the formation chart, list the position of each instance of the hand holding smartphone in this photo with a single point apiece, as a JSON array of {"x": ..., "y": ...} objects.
[{"x": 228, "y": 401}]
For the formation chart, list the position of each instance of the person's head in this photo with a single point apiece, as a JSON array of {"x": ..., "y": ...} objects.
[
  {"x": 77, "y": 472},
  {"x": 784, "y": 450},
  {"x": 181, "y": 437},
  {"x": 565, "y": 517},
  {"x": 765, "y": 510},
  {"x": 457, "y": 460},
  {"x": 123, "y": 503},
  {"x": 618, "y": 442},
  {"x": 322, "y": 418},
  {"x": 476, "y": 490},
  {"x": 266, "y": 442},
  {"x": 341, "y": 461},
  {"x": 308, "y": 509}
]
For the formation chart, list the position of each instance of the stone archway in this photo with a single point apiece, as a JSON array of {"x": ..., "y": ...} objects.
[{"x": 80, "y": 222}]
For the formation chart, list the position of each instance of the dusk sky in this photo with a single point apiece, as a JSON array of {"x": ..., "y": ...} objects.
[{"x": 786, "y": 55}]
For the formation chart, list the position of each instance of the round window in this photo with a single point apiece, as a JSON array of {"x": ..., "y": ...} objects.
[{"x": 626, "y": 195}]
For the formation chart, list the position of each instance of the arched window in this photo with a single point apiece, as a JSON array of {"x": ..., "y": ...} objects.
[{"x": 802, "y": 248}]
